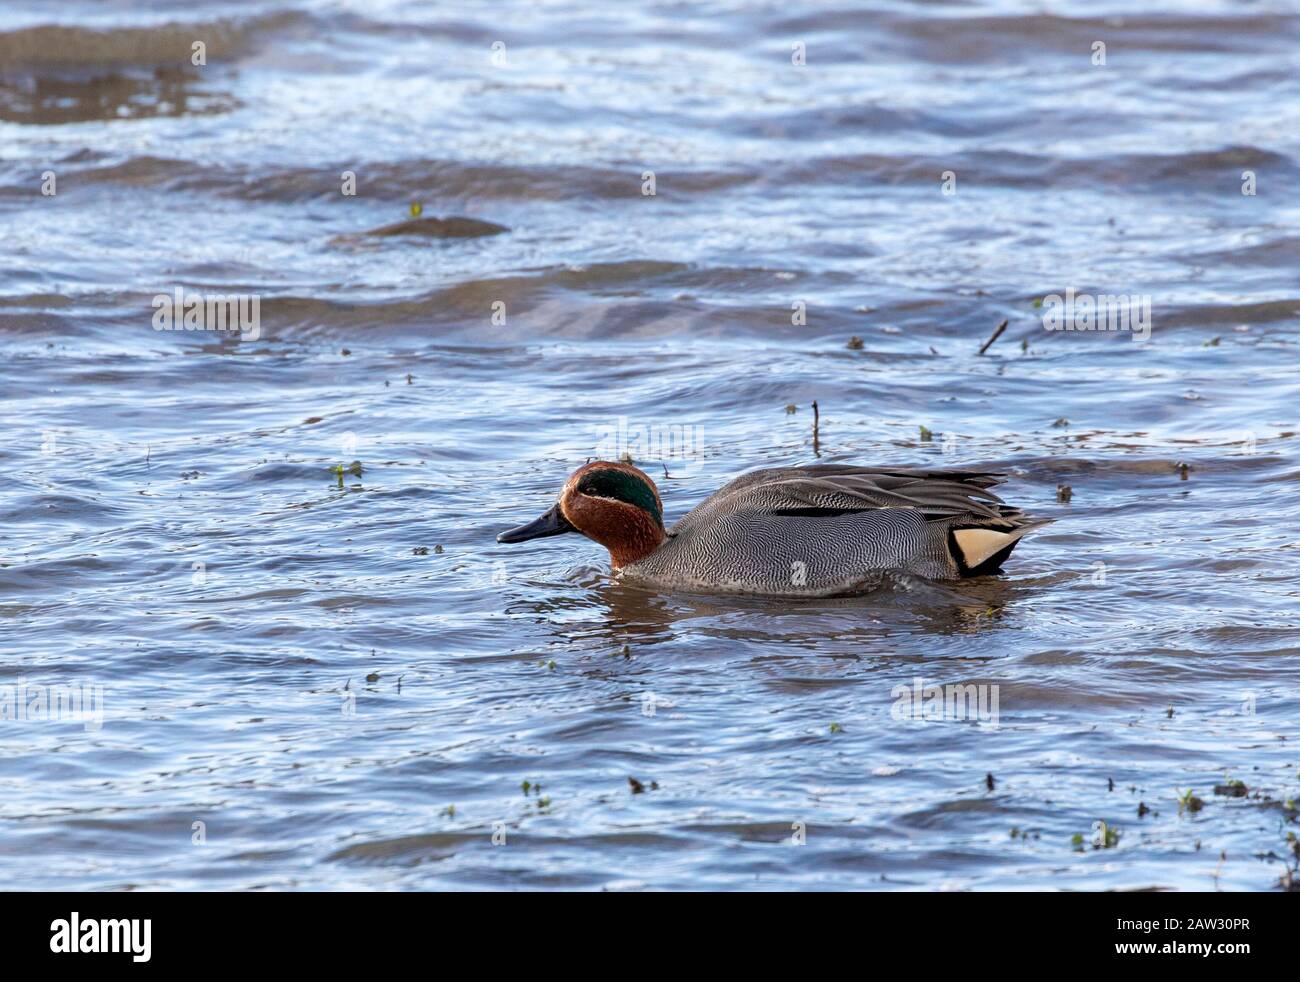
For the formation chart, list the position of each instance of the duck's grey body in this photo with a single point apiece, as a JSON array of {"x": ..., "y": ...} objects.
[{"x": 828, "y": 529}]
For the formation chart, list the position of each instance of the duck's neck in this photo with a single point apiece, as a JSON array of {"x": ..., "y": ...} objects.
[
  {"x": 637, "y": 539},
  {"x": 629, "y": 533}
]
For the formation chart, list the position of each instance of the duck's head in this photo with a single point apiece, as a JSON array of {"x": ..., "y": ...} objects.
[{"x": 611, "y": 503}]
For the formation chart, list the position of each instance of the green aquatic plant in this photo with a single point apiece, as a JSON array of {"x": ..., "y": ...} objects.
[
  {"x": 1103, "y": 837},
  {"x": 1189, "y": 802},
  {"x": 339, "y": 470}
]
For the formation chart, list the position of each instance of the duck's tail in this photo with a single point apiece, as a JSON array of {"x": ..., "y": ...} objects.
[{"x": 981, "y": 550}]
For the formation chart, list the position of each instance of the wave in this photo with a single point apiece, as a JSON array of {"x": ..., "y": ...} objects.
[
  {"x": 83, "y": 49},
  {"x": 453, "y": 183}
]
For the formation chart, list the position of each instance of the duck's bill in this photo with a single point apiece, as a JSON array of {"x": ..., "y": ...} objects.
[{"x": 552, "y": 523}]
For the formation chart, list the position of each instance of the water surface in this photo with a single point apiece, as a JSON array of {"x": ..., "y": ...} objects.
[{"x": 344, "y": 678}]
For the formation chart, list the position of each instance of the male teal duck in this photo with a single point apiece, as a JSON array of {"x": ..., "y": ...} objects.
[{"x": 815, "y": 531}]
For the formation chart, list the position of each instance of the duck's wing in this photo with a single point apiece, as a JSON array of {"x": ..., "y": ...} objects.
[
  {"x": 957, "y": 501},
  {"x": 831, "y": 488}
]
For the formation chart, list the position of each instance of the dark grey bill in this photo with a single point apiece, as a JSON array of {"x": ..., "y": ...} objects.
[{"x": 552, "y": 523}]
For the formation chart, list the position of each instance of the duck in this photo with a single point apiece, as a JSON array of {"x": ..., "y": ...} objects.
[{"x": 819, "y": 530}]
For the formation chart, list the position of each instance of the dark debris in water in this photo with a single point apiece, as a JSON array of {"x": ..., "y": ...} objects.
[
  {"x": 1232, "y": 789},
  {"x": 1189, "y": 802},
  {"x": 997, "y": 333},
  {"x": 454, "y": 227}
]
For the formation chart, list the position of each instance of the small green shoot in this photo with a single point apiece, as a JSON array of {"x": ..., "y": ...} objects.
[{"x": 340, "y": 470}]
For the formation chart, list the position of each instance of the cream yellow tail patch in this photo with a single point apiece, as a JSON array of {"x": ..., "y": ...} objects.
[{"x": 977, "y": 545}]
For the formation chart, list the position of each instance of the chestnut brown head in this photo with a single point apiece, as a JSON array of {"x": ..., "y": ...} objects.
[{"x": 612, "y": 503}]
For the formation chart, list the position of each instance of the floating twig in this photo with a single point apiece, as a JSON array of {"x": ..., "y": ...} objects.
[{"x": 996, "y": 334}]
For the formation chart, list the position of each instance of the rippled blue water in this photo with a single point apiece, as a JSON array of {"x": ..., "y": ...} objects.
[{"x": 321, "y": 680}]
